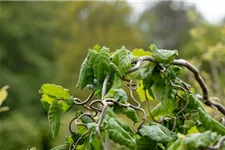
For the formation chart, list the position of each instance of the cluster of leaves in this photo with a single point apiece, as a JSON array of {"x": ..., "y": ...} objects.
[{"x": 179, "y": 121}]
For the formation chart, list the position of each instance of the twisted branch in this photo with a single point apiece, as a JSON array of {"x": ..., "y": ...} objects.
[{"x": 193, "y": 69}]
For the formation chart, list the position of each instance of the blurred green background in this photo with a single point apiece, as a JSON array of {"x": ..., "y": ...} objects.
[{"x": 46, "y": 42}]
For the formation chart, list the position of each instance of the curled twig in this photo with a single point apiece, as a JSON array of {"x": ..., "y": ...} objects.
[
  {"x": 216, "y": 110},
  {"x": 129, "y": 86},
  {"x": 84, "y": 102},
  {"x": 193, "y": 69},
  {"x": 222, "y": 121},
  {"x": 171, "y": 117},
  {"x": 147, "y": 102},
  {"x": 75, "y": 143},
  {"x": 183, "y": 89},
  {"x": 218, "y": 145}
]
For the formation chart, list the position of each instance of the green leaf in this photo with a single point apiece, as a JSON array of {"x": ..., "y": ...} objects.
[
  {"x": 97, "y": 48},
  {"x": 119, "y": 135},
  {"x": 117, "y": 82},
  {"x": 61, "y": 147},
  {"x": 189, "y": 124},
  {"x": 54, "y": 115},
  {"x": 130, "y": 113},
  {"x": 145, "y": 144},
  {"x": 92, "y": 126},
  {"x": 33, "y": 148},
  {"x": 122, "y": 58},
  {"x": 209, "y": 123},
  {"x": 158, "y": 110},
  {"x": 95, "y": 86},
  {"x": 141, "y": 92},
  {"x": 118, "y": 94},
  {"x": 157, "y": 132},
  {"x": 147, "y": 77},
  {"x": 140, "y": 52},
  {"x": 101, "y": 64},
  {"x": 194, "y": 141},
  {"x": 86, "y": 75},
  {"x": 163, "y": 56},
  {"x": 54, "y": 91},
  {"x": 95, "y": 142},
  {"x": 194, "y": 102}
]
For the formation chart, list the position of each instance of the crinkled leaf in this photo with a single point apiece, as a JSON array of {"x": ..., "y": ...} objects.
[
  {"x": 101, "y": 64},
  {"x": 130, "y": 113},
  {"x": 140, "y": 52},
  {"x": 55, "y": 91},
  {"x": 194, "y": 141},
  {"x": 163, "y": 56},
  {"x": 119, "y": 135},
  {"x": 145, "y": 144},
  {"x": 122, "y": 58},
  {"x": 86, "y": 75},
  {"x": 157, "y": 132},
  {"x": 61, "y": 147},
  {"x": 54, "y": 115}
]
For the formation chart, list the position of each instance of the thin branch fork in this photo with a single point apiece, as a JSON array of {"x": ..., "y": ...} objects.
[{"x": 193, "y": 69}]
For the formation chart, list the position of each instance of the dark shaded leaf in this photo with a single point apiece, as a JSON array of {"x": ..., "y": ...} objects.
[{"x": 54, "y": 115}]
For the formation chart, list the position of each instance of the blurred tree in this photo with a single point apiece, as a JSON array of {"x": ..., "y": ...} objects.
[
  {"x": 26, "y": 53},
  {"x": 87, "y": 24},
  {"x": 166, "y": 23},
  {"x": 206, "y": 49},
  {"x": 26, "y": 61}
]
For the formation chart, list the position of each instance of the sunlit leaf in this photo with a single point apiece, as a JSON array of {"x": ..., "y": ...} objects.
[
  {"x": 3, "y": 94},
  {"x": 55, "y": 91},
  {"x": 141, "y": 52}
]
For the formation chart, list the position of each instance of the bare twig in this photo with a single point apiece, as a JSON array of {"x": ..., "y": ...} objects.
[
  {"x": 129, "y": 86},
  {"x": 104, "y": 87},
  {"x": 84, "y": 102},
  {"x": 147, "y": 102}
]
